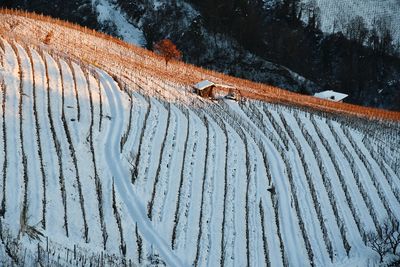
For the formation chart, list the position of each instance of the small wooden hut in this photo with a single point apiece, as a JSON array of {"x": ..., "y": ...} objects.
[{"x": 204, "y": 88}]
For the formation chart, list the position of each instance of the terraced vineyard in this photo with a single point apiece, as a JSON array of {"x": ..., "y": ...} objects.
[{"x": 99, "y": 169}]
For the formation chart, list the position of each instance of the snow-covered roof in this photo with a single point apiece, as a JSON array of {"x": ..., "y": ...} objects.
[
  {"x": 331, "y": 95},
  {"x": 203, "y": 85}
]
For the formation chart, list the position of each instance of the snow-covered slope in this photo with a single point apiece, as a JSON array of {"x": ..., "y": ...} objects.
[
  {"x": 109, "y": 14},
  {"x": 368, "y": 9},
  {"x": 105, "y": 163}
]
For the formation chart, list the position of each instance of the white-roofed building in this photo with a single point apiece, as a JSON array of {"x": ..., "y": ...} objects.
[
  {"x": 204, "y": 88},
  {"x": 331, "y": 95},
  {"x": 203, "y": 84}
]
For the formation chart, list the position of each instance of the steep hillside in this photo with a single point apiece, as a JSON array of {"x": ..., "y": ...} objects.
[
  {"x": 369, "y": 10},
  {"x": 108, "y": 158},
  {"x": 260, "y": 40}
]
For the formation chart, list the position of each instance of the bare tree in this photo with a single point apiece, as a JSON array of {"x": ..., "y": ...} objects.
[
  {"x": 378, "y": 244},
  {"x": 313, "y": 14},
  {"x": 386, "y": 239},
  {"x": 391, "y": 231},
  {"x": 381, "y": 35},
  {"x": 356, "y": 30}
]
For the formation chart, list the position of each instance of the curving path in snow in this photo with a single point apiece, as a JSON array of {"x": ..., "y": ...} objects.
[{"x": 135, "y": 177}]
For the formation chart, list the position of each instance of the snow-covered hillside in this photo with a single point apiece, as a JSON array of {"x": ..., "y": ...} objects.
[
  {"x": 368, "y": 9},
  {"x": 105, "y": 163},
  {"x": 109, "y": 14}
]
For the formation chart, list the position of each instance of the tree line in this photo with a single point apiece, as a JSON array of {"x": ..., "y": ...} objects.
[{"x": 359, "y": 59}]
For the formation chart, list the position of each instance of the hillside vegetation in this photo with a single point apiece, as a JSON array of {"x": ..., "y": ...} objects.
[
  {"x": 302, "y": 46},
  {"x": 108, "y": 158}
]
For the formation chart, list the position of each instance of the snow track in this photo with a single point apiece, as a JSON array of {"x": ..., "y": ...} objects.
[{"x": 141, "y": 178}]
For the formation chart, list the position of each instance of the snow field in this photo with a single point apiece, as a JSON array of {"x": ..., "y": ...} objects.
[{"x": 120, "y": 172}]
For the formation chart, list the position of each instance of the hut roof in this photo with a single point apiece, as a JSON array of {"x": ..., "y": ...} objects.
[
  {"x": 203, "y": 85},
  {"x": 331, "y": 95}
]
